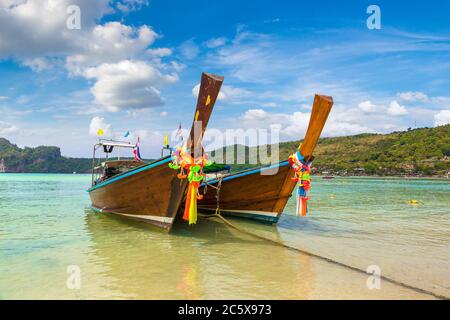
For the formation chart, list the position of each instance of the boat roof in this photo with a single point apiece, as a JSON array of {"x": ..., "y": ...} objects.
[
  {"x": 122, "y": 162},
  {"x": 116, "y": 143}
]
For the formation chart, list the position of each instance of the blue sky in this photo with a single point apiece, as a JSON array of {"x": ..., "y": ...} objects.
[{"x": 134, "y": 65}]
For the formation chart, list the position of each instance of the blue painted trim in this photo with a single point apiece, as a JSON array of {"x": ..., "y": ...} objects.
[
  {"x": 130, "y": 173},
  {"x": 95, "y": 209},
  {"x": 251, "y": 216},
  {"x": 245, "y": 173}
]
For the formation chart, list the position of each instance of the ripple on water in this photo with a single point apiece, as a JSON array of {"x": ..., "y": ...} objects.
[{"x": 46, "y": 227}]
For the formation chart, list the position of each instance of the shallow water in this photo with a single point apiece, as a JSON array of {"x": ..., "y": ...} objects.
[{"x": 46, "y": 227}]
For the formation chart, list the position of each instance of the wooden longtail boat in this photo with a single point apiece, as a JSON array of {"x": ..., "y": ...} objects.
[
  {"x": 150, "y": 192},
  {"x": 262, "y": 193}
]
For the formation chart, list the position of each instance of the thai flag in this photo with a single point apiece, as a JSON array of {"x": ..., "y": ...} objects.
[{"x": 136, "y": 153}]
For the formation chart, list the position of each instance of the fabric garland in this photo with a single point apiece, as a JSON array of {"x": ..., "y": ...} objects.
[
  {"x": 302, "y": 175},
  {"x": 192, "y": 169}
]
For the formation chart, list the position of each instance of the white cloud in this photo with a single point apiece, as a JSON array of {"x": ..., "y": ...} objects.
[
  {"x": 338, "y": 124},
  {"x": 7, "y": 128},
  {"x": 444, "y": 101},
  {"x": 163, "y": 114},
  {"x": 233, "y": 93},
  {"x": 227, "y": 93},
  {"x": 37, "y": 64},
  {"x": 112, "y": 42},
  {"x": 294, "y": 125},
  {"x": 150, "y": 142},
  {"x": 178, "y": 67},
  {"x": 100, "y": 123},
  {"x": 159, "y": 52},
  {"x": 34, "y": 32},
  {"x": 189, "y": 50},
  {"x": 367, "y": 106},
  {"x": 215, "y": 42},
  {"x": 442, "y": 118},
  {"x": 395, "y": 109},
  {"x": 413, "y": 96},
  {"x": 255, "y": 115},
  {"x": 35, "y": 28},
  {"x": 128, "y": 85}
]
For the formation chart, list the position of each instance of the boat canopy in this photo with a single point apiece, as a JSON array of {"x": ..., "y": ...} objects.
[
  {"x": 115, "y": 143},
  {"x": 104, "y": 167}
]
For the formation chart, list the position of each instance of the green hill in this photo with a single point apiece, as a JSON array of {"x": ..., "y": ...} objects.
[
  {"x": 41, "y": 159},
  {"x": 424, "y": 151}
]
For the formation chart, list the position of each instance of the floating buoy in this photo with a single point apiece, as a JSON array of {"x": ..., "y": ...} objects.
[{"x": 413, "y": 202}]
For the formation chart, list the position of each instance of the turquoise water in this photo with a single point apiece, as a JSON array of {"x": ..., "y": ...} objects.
[{"x": 46, "y": 227}]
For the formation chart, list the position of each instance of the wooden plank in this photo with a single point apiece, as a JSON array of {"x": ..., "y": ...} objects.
[
  {"x": 319, "y": 115},
  {"x": 157, "y": 191},
  {"x": 250, "y": 192},
  {"x": 209, "y": 91},
  {"x": 270, "y": 193},
  {"x": 210, "y": 85}
]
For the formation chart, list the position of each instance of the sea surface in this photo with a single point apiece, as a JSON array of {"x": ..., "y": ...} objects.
[{"x": 48, "y": 236}]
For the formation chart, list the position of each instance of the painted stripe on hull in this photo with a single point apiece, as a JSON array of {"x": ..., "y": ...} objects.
[
  {"x": 265, "y": 216},
  {"x": 245, "y": 173},
  {"x": 140, "y": 217}
]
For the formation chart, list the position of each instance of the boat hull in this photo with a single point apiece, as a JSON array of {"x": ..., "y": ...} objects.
[
  {"x": 151, "y": 193},
  {"x": 263, "y": 193},
  {"x": 254, "y": 194}
]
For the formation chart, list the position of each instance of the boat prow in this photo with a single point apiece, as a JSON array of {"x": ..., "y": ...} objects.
[
  {"x": 260, "y": 196},
  {"x": 151, "y": 192}
]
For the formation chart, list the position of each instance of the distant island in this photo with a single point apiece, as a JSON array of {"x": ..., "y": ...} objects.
[
  {"x": 415, "y": 152},
  {"x": 41, "y": 159},
  {"x": 418, "y": 152}
]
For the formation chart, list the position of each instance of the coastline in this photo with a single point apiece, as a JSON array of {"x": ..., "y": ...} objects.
[
  {"x": 313, "y": 175},
  {"x": 387, "y": 177}
]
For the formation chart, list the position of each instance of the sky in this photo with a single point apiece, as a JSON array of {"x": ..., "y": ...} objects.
[{"x": 135, "y": 65}]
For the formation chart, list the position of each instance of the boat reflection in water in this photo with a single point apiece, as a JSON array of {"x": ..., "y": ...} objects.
[{"x": 209, "y": 261}]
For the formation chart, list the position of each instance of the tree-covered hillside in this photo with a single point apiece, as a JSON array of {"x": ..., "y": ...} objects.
[
  {"x": 424, "y": 151},
  {"x": 41, "y": 159}
]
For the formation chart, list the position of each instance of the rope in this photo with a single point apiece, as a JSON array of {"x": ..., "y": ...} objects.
[{"x": 217, "y": 214}]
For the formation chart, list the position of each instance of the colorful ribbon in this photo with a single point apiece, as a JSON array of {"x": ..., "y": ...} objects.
[
  {"x": 302, "y": 175},
  {"x": 192, "y": 169}
]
